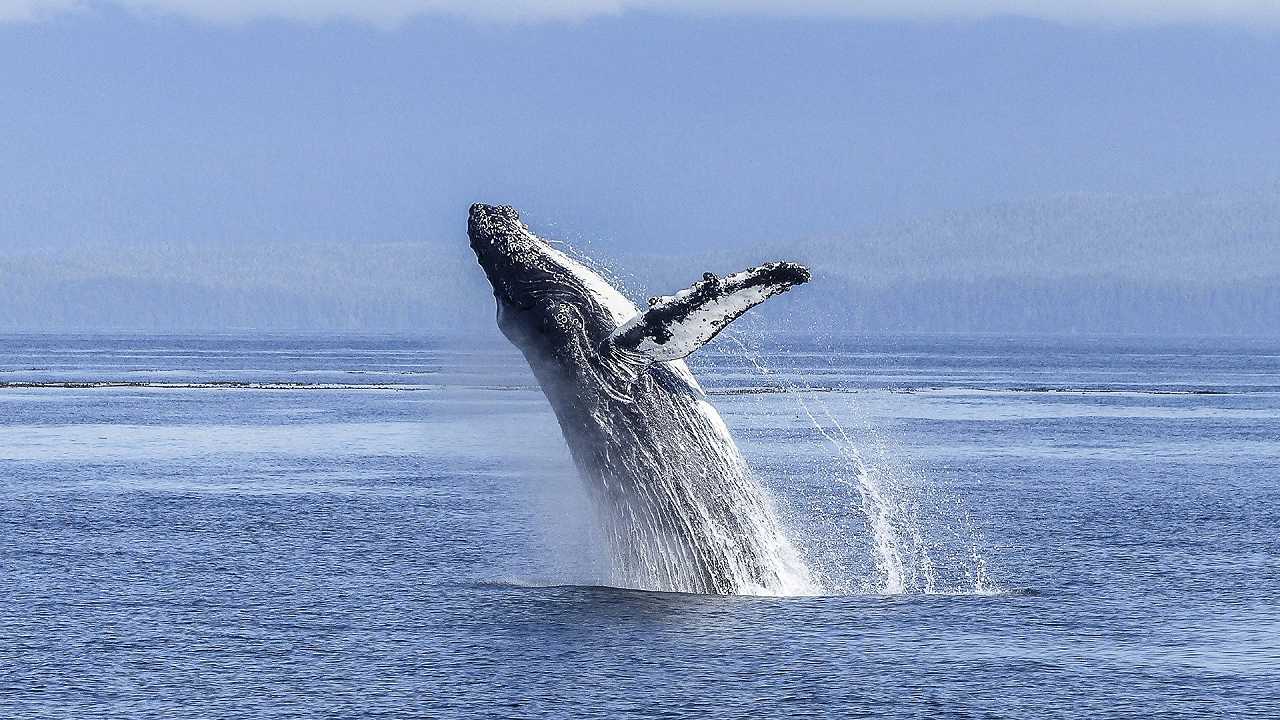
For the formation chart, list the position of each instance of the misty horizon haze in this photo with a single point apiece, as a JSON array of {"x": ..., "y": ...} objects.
[
  {"x": 171, "y": 171},
  {"x": 1069, "y": 265}
]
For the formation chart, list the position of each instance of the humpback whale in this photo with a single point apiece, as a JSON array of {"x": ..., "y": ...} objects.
[{"x": 676, "y": 500}]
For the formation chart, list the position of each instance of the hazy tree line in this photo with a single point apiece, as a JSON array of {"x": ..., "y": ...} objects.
[
  {"x": 832, "y": 304},
  {"x": 1199, "y": 265}
]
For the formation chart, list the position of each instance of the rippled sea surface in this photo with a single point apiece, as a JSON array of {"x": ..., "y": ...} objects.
[{"x": 306, "y": 526}]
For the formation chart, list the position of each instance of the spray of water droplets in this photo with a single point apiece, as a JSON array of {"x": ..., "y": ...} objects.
[{"x": 870, "y": 521}]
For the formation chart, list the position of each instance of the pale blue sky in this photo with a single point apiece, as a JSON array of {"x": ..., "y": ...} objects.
[{"x": 678, "y": 125}]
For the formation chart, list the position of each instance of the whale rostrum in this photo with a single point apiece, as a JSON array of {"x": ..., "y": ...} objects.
[{"x": 677, "y": 503}]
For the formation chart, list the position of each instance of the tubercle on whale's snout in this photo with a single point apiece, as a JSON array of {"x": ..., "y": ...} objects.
[
  {"x": 481, "y": 212},
  {"x": 501, "y": 240},
  {"x": 487, "y": 225}
]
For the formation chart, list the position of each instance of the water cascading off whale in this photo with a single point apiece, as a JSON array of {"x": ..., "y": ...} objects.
[{"x": 676, "y": 499}]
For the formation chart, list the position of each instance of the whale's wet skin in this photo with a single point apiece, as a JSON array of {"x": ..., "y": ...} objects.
[{"x": 677, "y": 501}]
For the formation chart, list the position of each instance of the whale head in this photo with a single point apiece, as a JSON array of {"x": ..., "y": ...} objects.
[
  {"x": 554, "y": 308},
  {"x": 573, "y": 325}
]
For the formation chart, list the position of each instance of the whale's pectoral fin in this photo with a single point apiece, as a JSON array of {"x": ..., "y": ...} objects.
[{"x": 676, "y": 325}]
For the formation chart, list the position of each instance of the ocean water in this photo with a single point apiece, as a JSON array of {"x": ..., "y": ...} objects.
[{"x": 331, "y": 527}]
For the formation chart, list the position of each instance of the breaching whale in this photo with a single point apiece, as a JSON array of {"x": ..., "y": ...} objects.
[{"x": 677, "y": 501}]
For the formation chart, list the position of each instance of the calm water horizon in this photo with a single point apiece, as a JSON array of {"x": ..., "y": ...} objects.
[{"x": 284, "y": 525}]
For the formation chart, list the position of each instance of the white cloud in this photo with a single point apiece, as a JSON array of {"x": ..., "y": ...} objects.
[{"x": 1255, "y": 13}]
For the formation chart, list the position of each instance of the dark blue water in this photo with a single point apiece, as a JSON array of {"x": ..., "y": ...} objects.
[{"x": 271, "y": 527}]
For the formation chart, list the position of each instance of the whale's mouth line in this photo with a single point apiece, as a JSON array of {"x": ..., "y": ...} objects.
[{"x": 525, "y": 294}]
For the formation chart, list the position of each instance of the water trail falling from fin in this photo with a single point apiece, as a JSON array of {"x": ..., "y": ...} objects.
[
  {"x": 890, "y": 499},
  {"x": 646, "y": 555}
]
